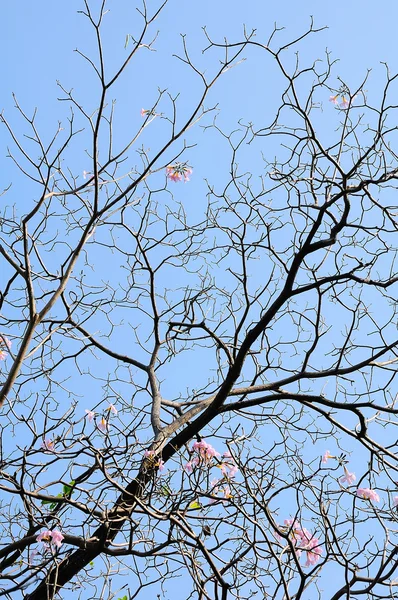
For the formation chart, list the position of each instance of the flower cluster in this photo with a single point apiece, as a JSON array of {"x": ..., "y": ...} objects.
[
  {"x": 368, "y": 494},
  {"x": 53, "y": 537},
  {"x": 228, "y": 466},
  {"x": 4, "y": 343},
  {"x": 225, "y": 490},
  {"x": 48, "y": 445},
  {"x": 103, "y": 425},
  {"x": 178, "y": 172},
  {"x": 204, "y": 455},
  {"x": 342, "y": 101},
  {"x": 303, "y": 541},
  {"x": 350, "y": 478},
  {"x": 158, "y": 462}
]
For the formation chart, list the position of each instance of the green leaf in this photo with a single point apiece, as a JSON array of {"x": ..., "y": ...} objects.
[
  {"x": 91, "y": 563},
  {"x": 68, "y": 489},
  {"x": 123, "y": 598},
  {"x": 165, "y": 491},
  {"x": 127, "y": 40},
  {"x": 195, "y": 504},
  {"x": 51, "y": 503}
]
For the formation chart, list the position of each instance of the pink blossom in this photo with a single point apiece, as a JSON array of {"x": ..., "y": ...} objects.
[
  {"x": 334, "y": 99},
  {"x": 228, "y": 466},
  {"x": 152, "y": 455},
  {"x": 3, "y": 355},
  {"x": 304, "y": 541},
  {"x": 326, "y": 457},
  {"x": 44, "y": 536},
  {"x": 345, "y": 103},
  {"x": 112, "y": 409},
  {"x": 143, "y": 112},
  {"x": 314, "y": 552},
  {"x": 90, "y": 415},
  {"x": 48, "y": 445},
  {"x": 395, "y": 500},
  {"x": 368, "y": 494},
  {"x": 205, "y": 451},
  {"x": 103, "y": 425},
  {"x": 173, "y": 175},
  {"x": 57, "y": 538},
  {"x": 51, "y": 537},
  {"x": 348, "y": 477},
  {"x": 188, "y": 467},
  {"x": 178, "y": 172},
  {"x": 227, "y": 492},
  {"x": 5, "y": 341}
]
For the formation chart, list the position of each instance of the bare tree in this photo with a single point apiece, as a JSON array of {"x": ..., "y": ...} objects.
[{"x": 165, "y": 417}]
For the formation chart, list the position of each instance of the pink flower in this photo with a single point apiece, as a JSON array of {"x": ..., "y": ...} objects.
[
  {"x": 227, "y": 492},
  {"x": 326, "y": 457},
  {"x": 3, "y": 355},
  {"x": 151, "y": 454},
  {"x": 304, "y": 541},
  {"x": 44, "y": 536},
  {"x": 228, "y": 466},
  {"x": 51, "y": 537},
  {"x": 395, "y": 500},
  {"x": 344, "y": 102},
  {"x": 188, "y": 467},
  {"x": 143, "y": 112},
  {"x": 57, "y": 538},
  {"x": 368, "y": 494},
  {"x": 103, "y": 425},
  {"x": 48, "y": 445},
  {"x": 173, "y": 175},
  {"x": 187, "y": 174},
  {"x": 112, "y": 409},
  {"x": 348, "y": 477},
  {"x": 314, "y": 552},
  {"x": 334, "y": 99},
  {"x": 205, "y": 451},
  {"x": 5, "y": 341},
  {"x": 178, "y": 171},
  {"x": 90, "y": 415}
]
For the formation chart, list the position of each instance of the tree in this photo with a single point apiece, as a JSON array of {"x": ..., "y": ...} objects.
[{"x": 203, "y": 392}]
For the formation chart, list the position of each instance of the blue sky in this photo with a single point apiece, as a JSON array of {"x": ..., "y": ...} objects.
[{"x": 38, "y": 38}]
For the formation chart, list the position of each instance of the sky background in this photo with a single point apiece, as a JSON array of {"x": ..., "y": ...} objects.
[{"x": 37, "y": 41}]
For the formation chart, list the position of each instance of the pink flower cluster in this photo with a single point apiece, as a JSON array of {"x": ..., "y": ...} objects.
[
  {"x": 344, "y": 103},
  {"x": 48, "y": 445},
  {"x": 178, "y": 172},
  {"x": 228, "y": 466},
  {"x": 304, "y": 541},
  {"x": 4, "y": 343},
  {"x": 225, "y": 490},
  {"x": 152, "y": 455},
  {"x": 205, "y": 454},
  {"x": 103, "y": 425},
  {"x": 368, "y": 494},
  {"x": 48, "y": 537}
]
